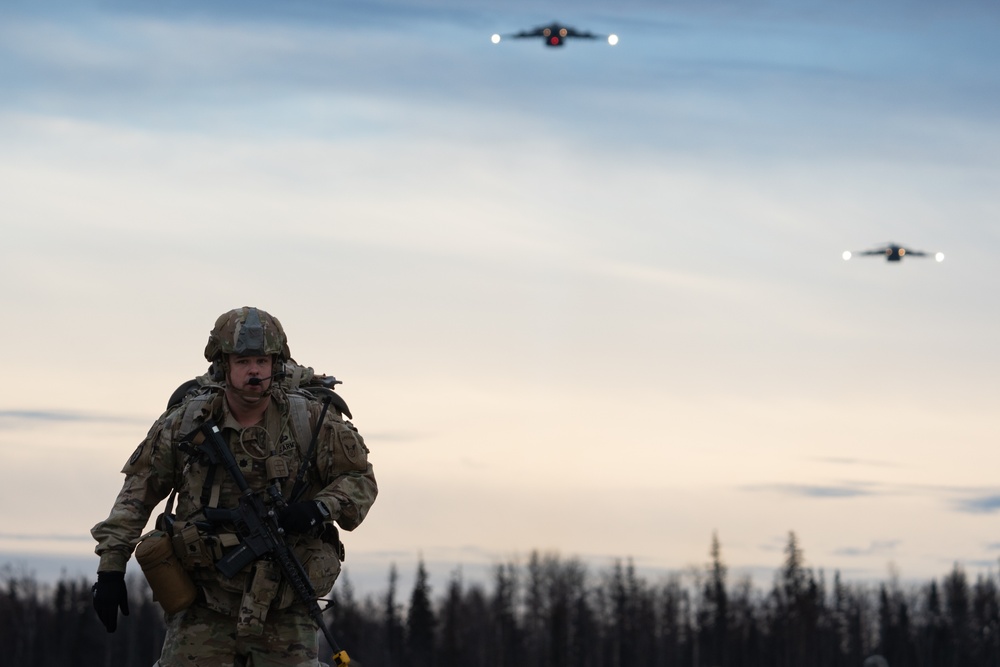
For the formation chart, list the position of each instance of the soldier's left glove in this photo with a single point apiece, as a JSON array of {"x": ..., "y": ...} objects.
[
  {"x": 300, "y": 517},
  {"x": 110, "y": 594}
]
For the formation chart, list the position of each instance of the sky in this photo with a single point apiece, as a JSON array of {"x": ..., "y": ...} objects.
[{"x": 586, "y": 301}]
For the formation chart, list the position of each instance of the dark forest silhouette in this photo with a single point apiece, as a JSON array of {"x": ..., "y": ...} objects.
[{"x": 552, "y": 612}]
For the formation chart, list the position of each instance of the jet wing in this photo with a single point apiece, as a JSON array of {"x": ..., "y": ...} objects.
[
  {"x": 584, "y": 34},
  {"x": 874, "y": 251},
  {"x": 537, "y": 32}
]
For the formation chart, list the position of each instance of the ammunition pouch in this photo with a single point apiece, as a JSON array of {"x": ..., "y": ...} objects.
[
  {"x": 197, "y": 548},
  {"x": 257, "y": 598}
]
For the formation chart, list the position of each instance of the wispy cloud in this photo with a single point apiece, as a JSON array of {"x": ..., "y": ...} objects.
[
  {"x": 395, "y": 436},
  {"x": 847, "y": 490},
  {"x": 15, "y": 418},
  {"x": 980, "y": 504},
  {"x": 849, "y": 461},
  {"x": 978, "y": 500},
  {"x": 21, "y": 537},
  {"x": 875, "y": 548}
]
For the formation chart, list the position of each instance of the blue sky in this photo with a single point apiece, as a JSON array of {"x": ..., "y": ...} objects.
[{"x": 586, "y": 300}]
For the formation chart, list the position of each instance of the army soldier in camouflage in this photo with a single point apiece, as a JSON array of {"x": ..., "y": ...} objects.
[{"x": 276, "y": 432}]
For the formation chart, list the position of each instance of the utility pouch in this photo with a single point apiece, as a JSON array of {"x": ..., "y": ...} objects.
[
  {"x": 257, "y": 598},
  {"x": 171, "y": 585},
  {"x": 189, "y": 545},
  {"x": 321, "y": 562}
]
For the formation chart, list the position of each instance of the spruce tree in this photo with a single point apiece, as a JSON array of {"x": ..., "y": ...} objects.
[{"x": 420, "y": 623}]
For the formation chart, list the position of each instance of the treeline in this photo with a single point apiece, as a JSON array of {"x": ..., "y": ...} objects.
[{"x": 553, "y": 612}]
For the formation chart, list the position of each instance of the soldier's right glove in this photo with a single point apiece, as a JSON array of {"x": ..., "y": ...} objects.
[
  {"x": 300, "y": 517},
  {"x": 110, "y": 595}
]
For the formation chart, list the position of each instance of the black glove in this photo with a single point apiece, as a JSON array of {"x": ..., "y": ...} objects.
[
  {"x": 300, "y": 517},
  {"x": 110, "y": 595}
]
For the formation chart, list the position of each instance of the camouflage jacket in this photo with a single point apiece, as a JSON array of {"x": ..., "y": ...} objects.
[{"x": 340, "y": 477}]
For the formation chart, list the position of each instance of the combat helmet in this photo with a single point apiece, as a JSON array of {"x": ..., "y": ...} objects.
[{"x": 249, "y": 331}]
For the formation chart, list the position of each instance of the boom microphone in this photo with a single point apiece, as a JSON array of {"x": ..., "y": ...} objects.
[{"x": 257, "y": 381}]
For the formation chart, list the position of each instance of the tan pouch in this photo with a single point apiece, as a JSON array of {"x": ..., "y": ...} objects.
[
  {"x": 170, "y": 583},
  {"x": 257, "y": 599}
]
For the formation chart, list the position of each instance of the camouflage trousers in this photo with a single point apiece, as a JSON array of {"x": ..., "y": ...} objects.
[{"x": 200, "y": 637}]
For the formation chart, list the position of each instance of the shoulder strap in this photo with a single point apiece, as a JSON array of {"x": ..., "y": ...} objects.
[
  {"x": 197, "y": 406},
  {"x": 196, "y": 409},
  {"x": 299, "y": 406},
  {"x": 298, "y": 417}
]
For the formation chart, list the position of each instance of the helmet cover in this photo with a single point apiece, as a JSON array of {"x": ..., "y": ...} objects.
[{"x": 247, "y": 331}]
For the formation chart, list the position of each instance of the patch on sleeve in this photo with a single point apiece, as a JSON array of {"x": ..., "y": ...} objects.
[
  {"x": 136, "y": 454},
  {"x": 350, "y": 443},
  {"x": 139, "y": 459},
  {"x": 143, "y": 455}
]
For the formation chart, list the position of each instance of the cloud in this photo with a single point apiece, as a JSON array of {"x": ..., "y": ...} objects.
[
  {"x": 851, "y": 461},
  {"x": 849, "y": 490},
  {"x": 385, "y": 437},
  {"x": 967, "y": 500},
  {"x": 984, "y": 504},
  {"x": 875, "y": 548},
  {"x": 20, "y": 537},
  {"x": 975, "y": 500},
  {"x": 16, "y": 418},
  {"x": 42, "y": 537}
]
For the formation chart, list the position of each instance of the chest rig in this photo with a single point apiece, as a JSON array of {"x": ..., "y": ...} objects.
[
  {"x": 265, "y": 452},
  {"x": 281, "y": 450}
]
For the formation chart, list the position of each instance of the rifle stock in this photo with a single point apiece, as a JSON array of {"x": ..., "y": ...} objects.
[{"x": 260, "y": 533}]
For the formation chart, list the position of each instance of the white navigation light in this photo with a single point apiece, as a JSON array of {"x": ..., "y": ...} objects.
[
  {"x": 612, "y": 39},
  {"x": 939, "y": 256},
  {"x": 847, "y": 255},
  {"x": 495, "y": 39}
]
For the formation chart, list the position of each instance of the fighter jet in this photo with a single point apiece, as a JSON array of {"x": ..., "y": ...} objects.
[
  {"x": 555, "y": 34},
  {"x": 894, "y": 253}
]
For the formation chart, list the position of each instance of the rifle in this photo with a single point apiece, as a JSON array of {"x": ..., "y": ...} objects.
[{"x": 260, "y": 534}]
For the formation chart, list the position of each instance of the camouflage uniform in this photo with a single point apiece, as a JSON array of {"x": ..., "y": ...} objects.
[{"x": 252, "y": 618}]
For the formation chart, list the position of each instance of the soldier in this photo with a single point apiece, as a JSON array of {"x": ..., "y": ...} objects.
[{"x": 277, "y": 434}]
